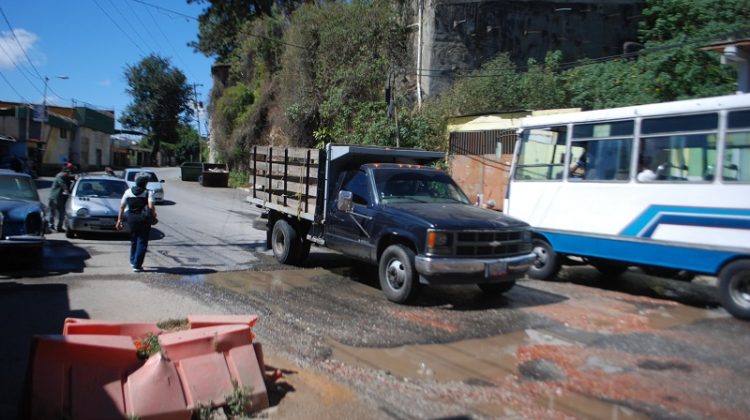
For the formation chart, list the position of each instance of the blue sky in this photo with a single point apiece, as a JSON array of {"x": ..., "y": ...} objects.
[{"x": 91, "y": 42}]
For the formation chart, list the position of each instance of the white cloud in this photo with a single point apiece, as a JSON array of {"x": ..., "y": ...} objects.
[
  {"x": 11, "y": 53},
  {"x": 104, "y": 83}
]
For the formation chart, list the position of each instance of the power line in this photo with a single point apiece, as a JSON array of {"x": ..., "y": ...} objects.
[
  {"x": 130, "y": 25},
  {"x": 23, "y": 50},
  {"x": 174, "y": 12},
  {"x": 13, "y": 88},
  {"x": 120, "y": 28},
  {"x": 579, "y": 63},
  {"x": 22, "y": 70}
]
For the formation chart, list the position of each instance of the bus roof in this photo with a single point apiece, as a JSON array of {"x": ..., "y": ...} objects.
[{"x": 689, "y": 106}]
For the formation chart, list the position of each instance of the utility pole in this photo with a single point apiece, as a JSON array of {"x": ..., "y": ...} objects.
[{"x": 198, "y": 119}]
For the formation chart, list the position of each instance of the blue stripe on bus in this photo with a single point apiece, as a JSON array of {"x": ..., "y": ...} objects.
[
  {"x": 649, "y": 219},
  {"x": 694, "y": 220},
  {"x": 640, "y": 252}
]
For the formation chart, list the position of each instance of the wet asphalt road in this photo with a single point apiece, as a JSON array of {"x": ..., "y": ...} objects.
[{"x": 584, "y": 346}]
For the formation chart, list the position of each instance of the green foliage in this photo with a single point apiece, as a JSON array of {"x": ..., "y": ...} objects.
[
  {"x": 221, "y": 20},
  {"x": 336, "y": 81},
  {"x": 161, "y": 98},
  {"x": 239, "y": 179},
  {"x": 239, "y": 401},
  {"x": 318, "y": 75},
  {"x": 189, "y": 148}
]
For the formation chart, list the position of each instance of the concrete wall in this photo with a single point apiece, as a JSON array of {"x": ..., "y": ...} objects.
[{"x": 460, "y": 36}]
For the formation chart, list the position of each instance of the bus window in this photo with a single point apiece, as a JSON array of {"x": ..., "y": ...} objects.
[
  {"x": 601, "y": 151},
  {"x": 675, "y": 154},
  {"x": 737, "y": 148},
  {"x": 542, "y": 154}
]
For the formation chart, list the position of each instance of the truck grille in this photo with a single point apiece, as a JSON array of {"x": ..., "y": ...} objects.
[{"x": 491, "y": 243}]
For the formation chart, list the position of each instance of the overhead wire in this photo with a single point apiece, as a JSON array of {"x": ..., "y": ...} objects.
[
  {"x": 143, "y": 53},
  {"x": 13, "y": 88},
  {"x": 164, "y": 9},
  {"x": 132, "y": 28},
  {"x": 13, "y": 33},
  {"x": 22, "y": 70}
]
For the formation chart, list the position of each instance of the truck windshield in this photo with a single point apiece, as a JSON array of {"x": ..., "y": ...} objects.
[{"x": 404, "y": 186}]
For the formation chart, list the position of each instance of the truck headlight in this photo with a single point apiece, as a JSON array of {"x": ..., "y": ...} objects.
[
  {"x": 82, "y": 212},
  {"x": 438, "y": 241}
]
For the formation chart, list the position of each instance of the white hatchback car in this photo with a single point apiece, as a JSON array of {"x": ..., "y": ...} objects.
[
  {"x": 93, "y": 205},
  {"x": 154, "y": 184}
]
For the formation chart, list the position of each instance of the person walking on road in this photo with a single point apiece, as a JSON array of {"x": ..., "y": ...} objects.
[
  {"x": 137, "y": 205},
  {"x": 58, "y": 196}
]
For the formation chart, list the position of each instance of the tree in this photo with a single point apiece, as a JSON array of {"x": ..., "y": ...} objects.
[
  {"x": 221, "y": 21},
  {"x": 161, "y": 98}
]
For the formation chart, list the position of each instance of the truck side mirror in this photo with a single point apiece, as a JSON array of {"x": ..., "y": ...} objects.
[{"x": 345, "y": 201}]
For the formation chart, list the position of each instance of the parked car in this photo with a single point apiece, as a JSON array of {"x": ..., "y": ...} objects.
[
  {"x": 22, "y": 216},
  {"x": 154, "y": 184},
  {"x": 93, "y": 204}
]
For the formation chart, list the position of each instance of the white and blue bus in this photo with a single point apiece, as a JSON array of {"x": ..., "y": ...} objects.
[{"x": 665, "y": 187}]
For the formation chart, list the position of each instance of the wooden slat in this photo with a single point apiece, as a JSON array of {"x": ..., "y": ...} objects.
[
  {"x": 292, "y": 188},
  {"x": 277, "y": 169},
  {"x": 296, "y": 153}
]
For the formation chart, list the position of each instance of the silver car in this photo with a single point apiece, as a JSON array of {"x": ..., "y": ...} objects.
[
  {"x": 154, "y": 183},
  {"x": 93, "y": 205}
]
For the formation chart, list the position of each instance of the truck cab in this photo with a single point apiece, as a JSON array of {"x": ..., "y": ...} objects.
[{"x": 417, "y": 225}]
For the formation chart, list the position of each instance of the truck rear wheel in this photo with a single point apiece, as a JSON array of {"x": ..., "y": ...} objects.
[
  {"x": 547, "y": 263},
  {"x": 285, "y": 242},
  {"x": 398, "y": 278},
  {"x": 734, "y": 288}
]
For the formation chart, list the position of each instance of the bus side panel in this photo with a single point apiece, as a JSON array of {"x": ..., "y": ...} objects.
[{"x": 642, "y": 252}]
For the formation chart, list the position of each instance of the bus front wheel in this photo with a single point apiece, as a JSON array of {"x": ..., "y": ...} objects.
[
  {"x": 734, "y": 288},
  {"x": 547, "y": 262}
]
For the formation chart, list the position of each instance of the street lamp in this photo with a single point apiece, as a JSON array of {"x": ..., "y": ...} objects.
[{"x": 44, "y": 114}]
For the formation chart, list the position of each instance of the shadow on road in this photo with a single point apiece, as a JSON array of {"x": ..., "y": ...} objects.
[
  {"x": 60, "y": 257},
  {"x": 635, "y": 282},
  {"x": 27, "y": 310},
  {"x": 466, "y": 297}
]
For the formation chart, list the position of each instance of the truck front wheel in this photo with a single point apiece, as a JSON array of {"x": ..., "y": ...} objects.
[
  {"x": 734, "y": 288},
  {"x": 398, "y": 278},
  {"x": 285, "y": 242}
]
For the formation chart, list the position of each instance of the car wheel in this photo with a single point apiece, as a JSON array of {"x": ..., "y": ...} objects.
[
  {"x": 285, "y": 242},
  {"x": 734, "y": 288},
  {"x": 547, "y": 263},
  {"x": 398, "y": 277},
  {"x": 69, "y": 233},
  {"x": 496, "y": 288}
]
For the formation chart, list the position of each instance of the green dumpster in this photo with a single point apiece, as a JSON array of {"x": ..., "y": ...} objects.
[
  {"x": 191, "y": 171},
  {"x": 215, "y": 175}
]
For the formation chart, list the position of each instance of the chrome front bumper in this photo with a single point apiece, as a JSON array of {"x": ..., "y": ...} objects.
[{"x": 484, "y": 267}]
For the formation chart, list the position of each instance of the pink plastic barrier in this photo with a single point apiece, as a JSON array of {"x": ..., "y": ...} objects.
[{"x": 92, "y": 371}]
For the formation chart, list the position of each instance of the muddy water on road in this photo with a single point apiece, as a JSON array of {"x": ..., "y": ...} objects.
[{"x": 488, "y": 362}]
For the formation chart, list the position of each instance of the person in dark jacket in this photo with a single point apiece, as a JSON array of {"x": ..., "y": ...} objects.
[
  {"x": 137, "y": 206},
  {"x": 58, "y": 196}
]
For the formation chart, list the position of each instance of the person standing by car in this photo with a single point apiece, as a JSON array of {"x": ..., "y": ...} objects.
[
  {"x": 137, "y": 205},
  {"x": 58, "y": 196}
]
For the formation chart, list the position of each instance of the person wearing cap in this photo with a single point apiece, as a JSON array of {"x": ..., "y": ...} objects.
[
  {"x": 137, "y": 210},
  {"x": 58, "y": 196}
]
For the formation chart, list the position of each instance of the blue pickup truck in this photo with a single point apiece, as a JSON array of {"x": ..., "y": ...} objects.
[{"x": 386, "y": 207}]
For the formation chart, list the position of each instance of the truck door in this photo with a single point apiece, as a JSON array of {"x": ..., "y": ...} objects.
[{"x": 349, "y": 232}]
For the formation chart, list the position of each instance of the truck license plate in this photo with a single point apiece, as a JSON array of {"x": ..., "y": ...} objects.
[{"x": 495, "y": 269}]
